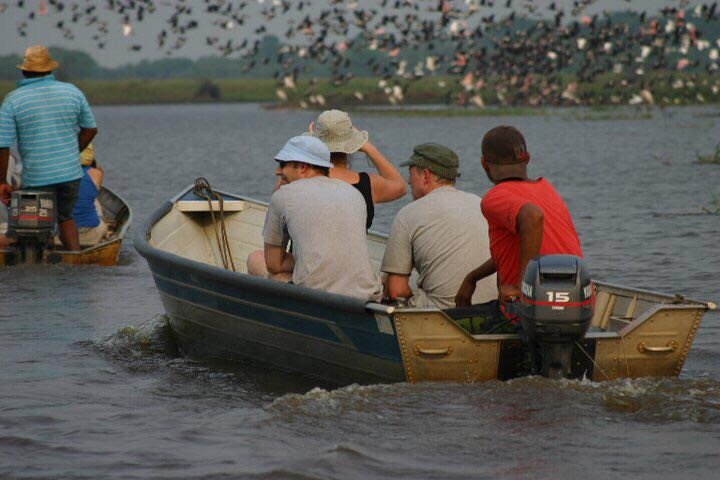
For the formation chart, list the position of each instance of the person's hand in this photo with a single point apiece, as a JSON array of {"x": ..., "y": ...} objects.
[
  {"x": 508, "y": 293},
  {"x": 311, "y": 127},
  {"x": 463, "y": 298},
  {"x": 365, "y": 146},
  {"x": 280, "y": 182},
  {"x": 5, "y": 193}
]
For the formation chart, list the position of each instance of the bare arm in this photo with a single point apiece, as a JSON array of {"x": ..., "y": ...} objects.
[
  {"x": 85, "y": 136},
  {"x": 398, "y": 285},
  {"x": 279, "y": 183},
  {"x": 96, "y": 175},
  {"x": 278, "y": 260},
  {"x": 389, "y": 184},
  {"x": 467, "y": 287},
  {"x": 4, "y": 162},
  {"x": 529, "y": 224},
  {"x": 5, "y": 188},
  {"x": 530, "y": 229}
]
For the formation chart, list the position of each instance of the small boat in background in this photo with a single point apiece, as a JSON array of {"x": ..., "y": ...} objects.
[
  {"x": 115, "y": 212},
  {"x": 217, "y": 313}
]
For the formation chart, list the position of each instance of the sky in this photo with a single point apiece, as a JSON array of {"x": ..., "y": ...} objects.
[{"x": 117, "y": 50}]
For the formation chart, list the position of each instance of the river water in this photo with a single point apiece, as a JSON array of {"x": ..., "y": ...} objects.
[{"x": 87, "y": 389}]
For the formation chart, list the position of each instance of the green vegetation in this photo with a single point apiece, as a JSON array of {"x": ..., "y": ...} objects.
[
  {"x": 493, "y": 111},
  {"x": 713, "y": 159},
  {"x": 604, "y": 92},
  {"x": 614, "y": 115}
]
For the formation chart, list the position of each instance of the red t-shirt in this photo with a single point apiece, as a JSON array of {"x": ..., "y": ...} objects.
[{"x": 501, "y": 206}]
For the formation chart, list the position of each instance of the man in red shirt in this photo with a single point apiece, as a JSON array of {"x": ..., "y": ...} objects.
[{"x": 525, "y": 217}]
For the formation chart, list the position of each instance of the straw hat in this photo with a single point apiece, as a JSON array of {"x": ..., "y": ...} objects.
[
  {"x": 335, "y": 128},
  {"x": 37, "y": 59},
  {"x": 87, "y": 156}
]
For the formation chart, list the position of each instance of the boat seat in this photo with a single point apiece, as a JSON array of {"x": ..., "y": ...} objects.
[
  {"x": 202, "y": 205},
  {"x": 616, "y": 323}
]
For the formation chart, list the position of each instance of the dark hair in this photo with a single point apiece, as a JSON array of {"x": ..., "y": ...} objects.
[
  {"x": 323, "y": 170},
  {"x": 27, "y": 74},
  {"x": 504, "y": 145},
  {"x": 341, "y": 157}
]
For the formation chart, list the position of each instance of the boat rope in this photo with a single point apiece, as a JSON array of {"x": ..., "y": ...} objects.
[
  {"x": 592, "y": 360},
  {"x": 203, "y": 189}
]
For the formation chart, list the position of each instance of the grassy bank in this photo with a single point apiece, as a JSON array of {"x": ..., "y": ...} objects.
[{"x": 667, "y": 89}]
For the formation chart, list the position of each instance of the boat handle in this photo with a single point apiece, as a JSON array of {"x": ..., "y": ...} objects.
[
  {"x": 670, "y": 347},
  {"x": 433, "y": 351}
]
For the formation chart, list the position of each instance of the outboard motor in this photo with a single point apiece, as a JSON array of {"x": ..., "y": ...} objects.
[
  {"x": 555, "y": 309},
  {"x": 32, "y": 223}
]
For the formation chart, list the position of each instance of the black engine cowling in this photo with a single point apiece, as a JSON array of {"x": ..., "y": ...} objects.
[
  {"x": 555, "y": 309},
  {"x": 31, "y": 222}
]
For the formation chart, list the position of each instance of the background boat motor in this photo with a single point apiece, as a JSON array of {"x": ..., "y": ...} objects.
[
  {"x": 32, "y": 223},
  {"x": 555, "y": 309}
]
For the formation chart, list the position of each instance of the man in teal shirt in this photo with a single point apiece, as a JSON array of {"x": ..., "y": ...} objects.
[{"x": 52, "y": 123}]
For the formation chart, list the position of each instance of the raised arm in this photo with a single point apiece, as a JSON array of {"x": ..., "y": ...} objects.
[{"x": 388, "y": 184}]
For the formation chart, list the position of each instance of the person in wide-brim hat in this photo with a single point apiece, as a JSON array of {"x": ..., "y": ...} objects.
[
  {"x": 336, "y": 130},
  {"x": 37, "y": 59}
]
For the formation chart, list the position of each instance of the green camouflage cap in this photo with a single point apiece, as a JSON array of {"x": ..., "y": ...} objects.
[{"x": 440, "y": 160}]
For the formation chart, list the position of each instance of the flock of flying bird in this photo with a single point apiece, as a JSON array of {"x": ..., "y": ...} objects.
[{"x": 527, "y": 51}]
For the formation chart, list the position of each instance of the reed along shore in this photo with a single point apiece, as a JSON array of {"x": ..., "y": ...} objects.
[{"x": 666, "y": 88}]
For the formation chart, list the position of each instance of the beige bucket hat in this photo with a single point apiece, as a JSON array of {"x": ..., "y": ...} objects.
[
  {"x": 37, "y": 59},
  {"x": 335, "y": 128}
]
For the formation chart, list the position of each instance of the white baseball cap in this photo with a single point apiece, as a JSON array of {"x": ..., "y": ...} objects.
[{"x": 305, "y": 149}]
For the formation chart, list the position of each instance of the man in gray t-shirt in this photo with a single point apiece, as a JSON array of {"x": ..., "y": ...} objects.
[
  {"x": 325, "y": 217},
  {"x": 442, "y": 234}
]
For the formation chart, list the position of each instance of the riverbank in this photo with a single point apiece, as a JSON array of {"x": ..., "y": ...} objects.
[{"x": 665, "y": 89}]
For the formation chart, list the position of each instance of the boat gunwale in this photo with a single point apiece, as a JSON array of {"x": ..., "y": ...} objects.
[{"x": 615, "y": 288}]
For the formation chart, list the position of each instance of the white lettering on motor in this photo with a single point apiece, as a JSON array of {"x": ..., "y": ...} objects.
[{"x": 560, "y": 297}]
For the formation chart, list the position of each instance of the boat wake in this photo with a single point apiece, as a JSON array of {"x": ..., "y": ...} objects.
[
  {"x": 666, "y": 400},
  {"x": 139, "y": 347},
  {"x": 643, "y": 400}
]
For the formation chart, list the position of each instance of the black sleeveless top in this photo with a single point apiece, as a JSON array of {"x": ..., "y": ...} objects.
[{"x": 364, "y": 187}]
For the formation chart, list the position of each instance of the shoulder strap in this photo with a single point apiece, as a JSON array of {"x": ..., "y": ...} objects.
[{"x": 365, "y": 189}]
